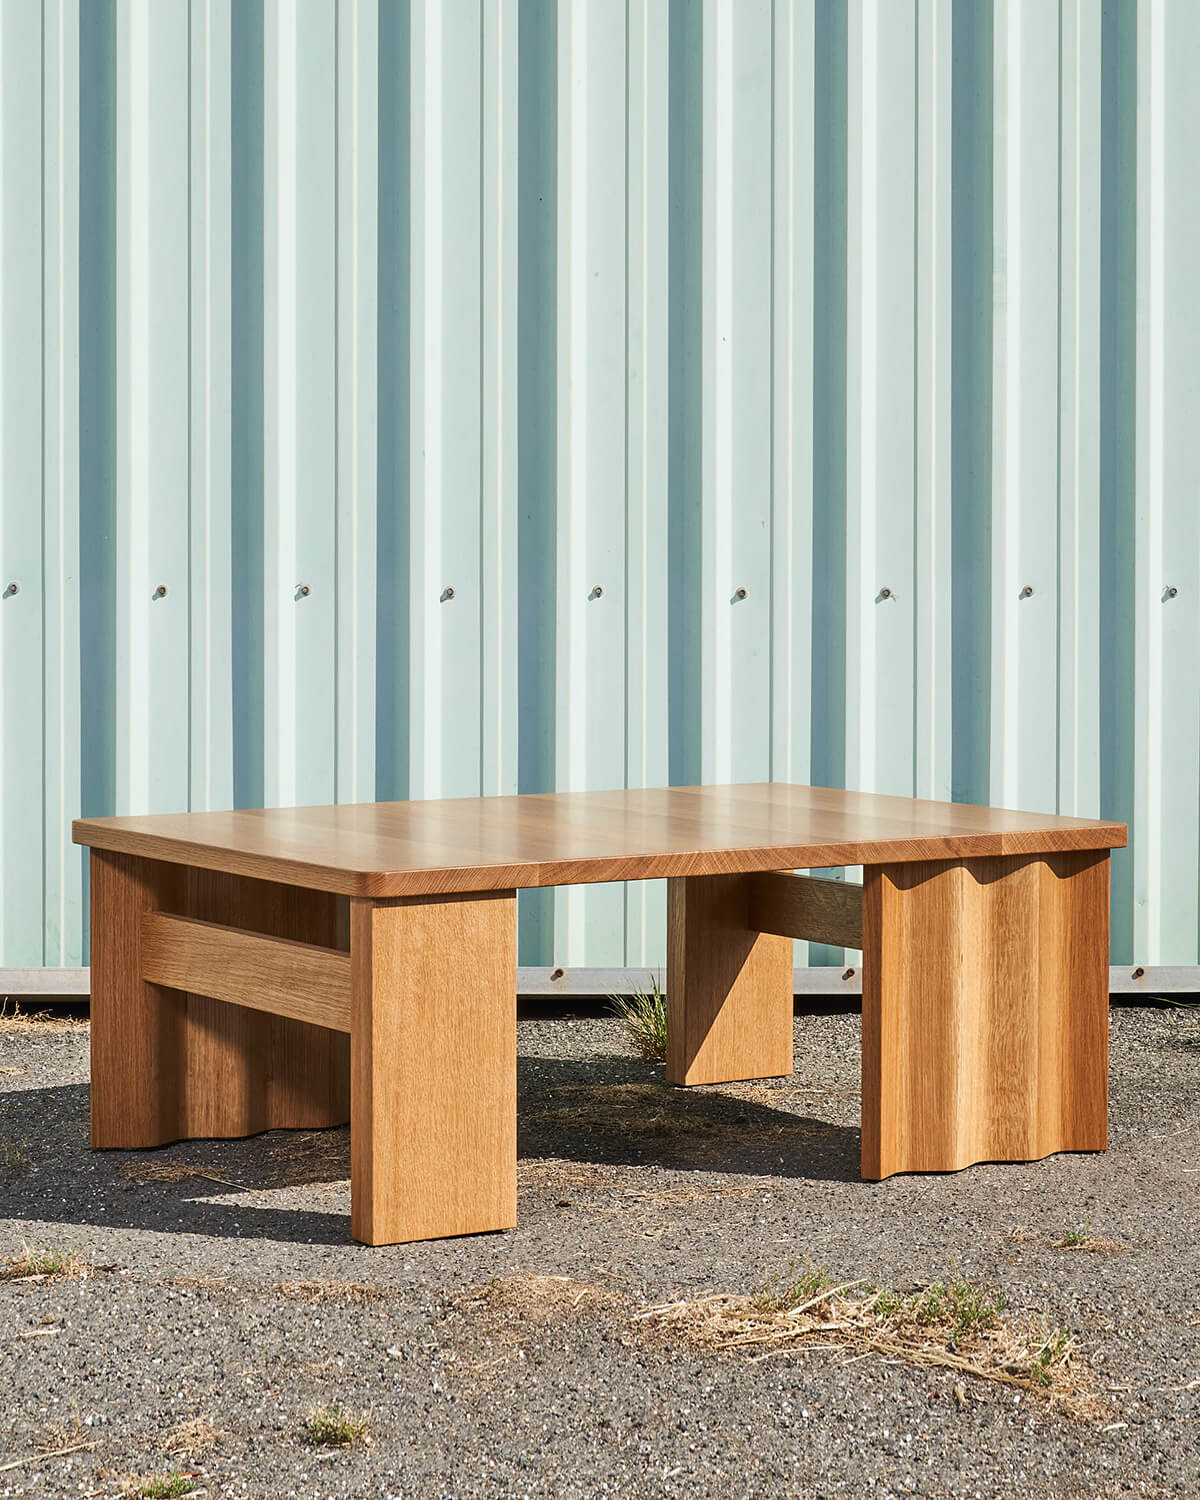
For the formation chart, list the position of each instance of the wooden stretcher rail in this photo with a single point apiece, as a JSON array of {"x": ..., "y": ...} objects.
[
  {"x": 301, "y": 980},
  {"x": 804, "y": 906}
]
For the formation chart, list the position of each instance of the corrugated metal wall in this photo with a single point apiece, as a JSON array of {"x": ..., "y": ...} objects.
[{"x": 468, "y": 396}]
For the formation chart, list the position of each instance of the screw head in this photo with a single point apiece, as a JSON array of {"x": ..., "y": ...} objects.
[
  {"x": 1027, "y": 591},
  {"x": 740, "y": 593},
  {"x": 597, "y": 592},
  {"x": 161, "y": 591},
  {"x": 885, "y": 593},
  {"x": 13, "y": 588},
  {"x": 304, "y": 590},
  {"x": 447, "y": 593},
  {"x": 1171, "y": 591}
]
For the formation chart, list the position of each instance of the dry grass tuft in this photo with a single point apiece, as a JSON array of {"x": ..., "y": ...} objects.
[
  {"x": 194, "y": 1436},
  {"x": 695, "y": 1128},
  {"x": 17, "y": 1022},
  {"x": 146, "y": 1172},
  {"x": 302, "y": 1159},
  {"x": 1085, "y": 1240},
  {"x": 317, "y": 1292},
  {"x": 334, "y": 1427},
  {"x": 30, "y": 1264},
  {"x": 538, "y": 1298},
  {"x": 952, "y": 1325},
  {"x": 643, "y": 1018},
  {"x": 14, "y": 1156},
  {"x": 201, "y": 1283}
]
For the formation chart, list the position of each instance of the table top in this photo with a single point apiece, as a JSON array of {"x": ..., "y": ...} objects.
[{"x": 382, "y": 849}]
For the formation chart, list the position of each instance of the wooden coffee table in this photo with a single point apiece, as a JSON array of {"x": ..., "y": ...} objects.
[{"x": 298, "y": 967}]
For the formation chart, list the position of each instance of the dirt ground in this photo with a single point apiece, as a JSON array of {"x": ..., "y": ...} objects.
[{"x": 188, "y": 1312}]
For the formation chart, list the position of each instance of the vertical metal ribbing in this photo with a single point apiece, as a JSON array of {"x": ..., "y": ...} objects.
[
  {"x": 337, "y": 306},
  {"x": 21, "y": 524},
  {"x": 210, "y": 445},
  {"x": 735, "y": 397},
  {"x": 299, "y": 403},
  {"x": 591, "y": 443},
  {"x": 647, "y": 395},
  {"x": 357, "y": 335},
  {"x": 1025, "y": 390},
  {"x": 62, "y": 888}
]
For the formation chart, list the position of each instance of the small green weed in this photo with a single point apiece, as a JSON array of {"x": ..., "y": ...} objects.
[
  {"x": 959, "y": 1307},
  {"x": 45, "y": 1265},
  {"x": 795, "y": 1288},
  {"x": 164, "y": 1486},
  {"x": 333, "y": 1427},
  {"x": 643, "y": 1017},
  {"x": 15, "y": 1156}
]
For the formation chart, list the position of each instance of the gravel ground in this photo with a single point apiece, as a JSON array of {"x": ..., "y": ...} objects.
[{"x": 640, "y": 1194}]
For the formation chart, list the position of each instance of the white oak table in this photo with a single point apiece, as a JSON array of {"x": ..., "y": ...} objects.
[{"x": 298, "y": 967}]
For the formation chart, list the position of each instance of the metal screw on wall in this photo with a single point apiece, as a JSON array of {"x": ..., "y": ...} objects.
[
  {"x": 304, "y": 590},
  {"x": 1027, "y": 591},
  {"x": 740, "y": 593},
  {"x": 13, "y": 588},
  {"x": 161, "y": 591},
  {"x": 1170, "y": 591},
  {"x": 447, "y": 593},
  {"x": 885, "y": 593},
  {"x": 597, "y": 592}
]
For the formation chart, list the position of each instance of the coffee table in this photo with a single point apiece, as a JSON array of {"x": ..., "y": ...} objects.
[{"x": 298, "y": 967}]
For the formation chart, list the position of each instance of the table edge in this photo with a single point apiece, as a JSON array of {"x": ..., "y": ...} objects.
[{"x": 533, "y": 875}]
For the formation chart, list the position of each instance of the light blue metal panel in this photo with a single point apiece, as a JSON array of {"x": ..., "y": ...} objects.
[
  {"x": 1168, "y": 623},
  {"x": 645, "y": 563},
  {"x": 299, "y": 402},
  {"x": 1081, "y": 606},
  {"x": 61, "y": 740},
  {"x": 21, "y": 595},
  {"x": 499, "y": 493},
  {"x": 1025, "y": 447},
  {"x": 445, "y": 383},
  {"x": 151, "y": 576},
  {"x": 793, "y": 247},
  {"x": 933, "y": 539},
  {"x": 210, "y": 303},
  {"x": 591, "y": 445},
  {"x": 311, "y": 312},
  {"x": 880, "y": 427},
  {"x": 357, "y": 395},
  {"x": 735, "y": 228}
]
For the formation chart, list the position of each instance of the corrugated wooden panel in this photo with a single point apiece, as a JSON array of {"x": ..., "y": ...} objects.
[{"x": 441, "y": 398}]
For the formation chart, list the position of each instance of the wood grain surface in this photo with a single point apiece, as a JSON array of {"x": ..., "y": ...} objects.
[
  {"x": 809, "y": 908},
  {"x": 395, "y": 849},
  {"x": 985, "y": 1011},
  {"x": 729, "y": 987},
  {"x": 433, "y": 1132},
  {"x": 285, "y": 978},
  {"x": 170, "y": 1065}
]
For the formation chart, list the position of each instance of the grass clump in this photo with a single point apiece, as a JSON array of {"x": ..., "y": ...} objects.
[
  {"x": 14, "y": 1156},
  {"x": 30, "y": 1264},
  {"x": 333, "y": 1427},
  {"x": 164, "y": 1486},
  {"x": 952, "y": 1324},
  {"x": 958, "y": 1306},
  {"x": 796, "y": 1288},
  {"x": 643, "y": 1017}
]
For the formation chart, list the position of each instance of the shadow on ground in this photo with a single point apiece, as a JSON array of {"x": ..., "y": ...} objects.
[{"x": 609, "y": 1111}]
